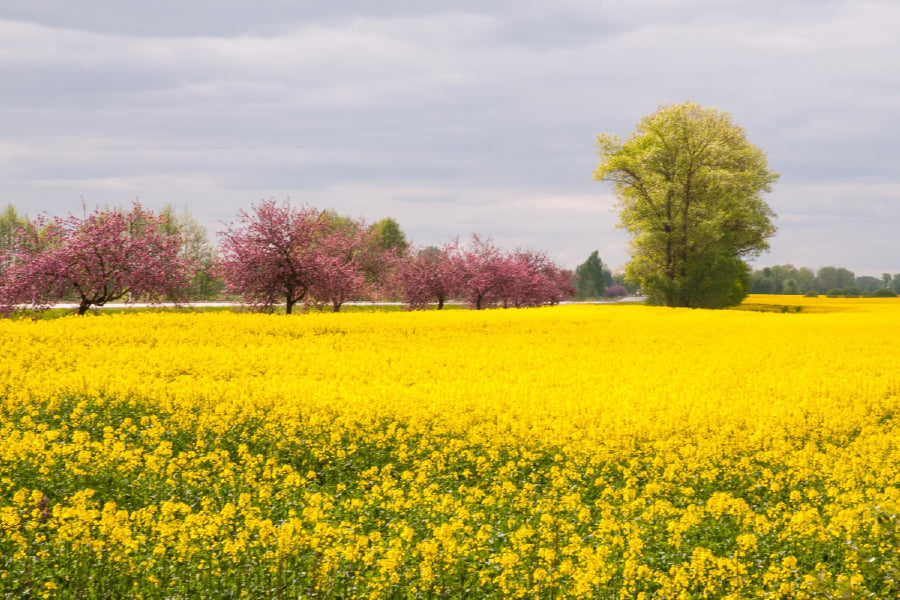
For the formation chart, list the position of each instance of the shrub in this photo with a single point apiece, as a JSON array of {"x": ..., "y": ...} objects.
[
  {"x": 616, "y": 291},
  {"x": 884, "y": 293}
]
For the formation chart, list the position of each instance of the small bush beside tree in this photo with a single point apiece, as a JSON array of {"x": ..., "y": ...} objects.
[{"x": 616, "y": 291}]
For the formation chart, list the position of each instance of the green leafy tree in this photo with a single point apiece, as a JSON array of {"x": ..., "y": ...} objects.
[
  {"x": 832, "y": 278},
  {"x": 806, "y": 280},
  {"x": 782, "y": 274},
  {"x": 690, "y": 187},
  {"x": 895, "y": 283},
  {"x": 195, "y": 247},
  {"x": 593, "y": 279},
  {"x": 340, "y": 224},
  {"x": 763, "y": 282},
  {"x": 389, "y": 236},
  {"x": 867, "y": 283},
  {"x": 10, "y": 224}
]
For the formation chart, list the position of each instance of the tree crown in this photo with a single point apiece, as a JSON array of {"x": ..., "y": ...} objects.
[{"x": 689, "y": 186}]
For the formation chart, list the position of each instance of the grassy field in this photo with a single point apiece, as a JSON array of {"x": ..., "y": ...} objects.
[{"x": 566, "y": 452}]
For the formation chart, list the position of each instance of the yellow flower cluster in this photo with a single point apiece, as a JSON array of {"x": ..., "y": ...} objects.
[{"x": 565, "y": 452}]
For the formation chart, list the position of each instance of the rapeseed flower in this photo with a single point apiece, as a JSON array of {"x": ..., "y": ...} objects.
[{"x": 574, "y": 452}]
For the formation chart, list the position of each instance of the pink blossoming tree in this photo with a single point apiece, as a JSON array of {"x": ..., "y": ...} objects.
[
  {"x": 429, "y": 275},
  {"x": 486, "y": 273},
  {"x": 538, "y": 280},
  {"x": 344, "y": 254},
  {"x": 272, "y": 253},
  {"x": 277, "y": 252},
  {"x": 104, "y": 256}
]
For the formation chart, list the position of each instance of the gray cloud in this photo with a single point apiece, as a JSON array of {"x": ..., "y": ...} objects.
[{"x": 451, "y": 117}]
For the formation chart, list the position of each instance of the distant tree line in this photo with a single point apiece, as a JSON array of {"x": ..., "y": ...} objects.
[
  {"x": 273, "y": 254},
  {"x": 831, "y": 281},
  {"x": 278, "y": 254}
]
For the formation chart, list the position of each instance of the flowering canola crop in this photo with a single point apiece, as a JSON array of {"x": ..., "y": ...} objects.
[{"x": 565, "y": 452}]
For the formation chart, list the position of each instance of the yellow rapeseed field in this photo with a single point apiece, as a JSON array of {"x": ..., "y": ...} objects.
[{"x": 566, "y": 452}]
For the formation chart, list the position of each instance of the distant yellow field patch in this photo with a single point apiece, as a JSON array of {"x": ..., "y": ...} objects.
[{"x": 820, "y": 304}]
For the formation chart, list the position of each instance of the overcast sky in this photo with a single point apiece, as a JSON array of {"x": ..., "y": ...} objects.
[{"x": 451, "y": 117}]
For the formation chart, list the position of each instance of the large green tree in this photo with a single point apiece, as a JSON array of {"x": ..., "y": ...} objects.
[{"x": 689, "y": 186}]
